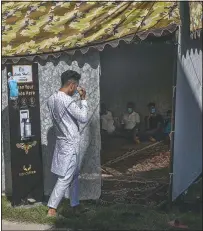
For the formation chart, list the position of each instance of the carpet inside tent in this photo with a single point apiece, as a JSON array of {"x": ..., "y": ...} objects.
[{"x": 134, "y": 173}]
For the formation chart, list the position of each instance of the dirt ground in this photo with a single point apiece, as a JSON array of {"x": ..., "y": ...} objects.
[{"x": 134, "y": 173}]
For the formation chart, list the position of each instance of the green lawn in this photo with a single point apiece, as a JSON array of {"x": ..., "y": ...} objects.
[{"x": 113, "y": 216}]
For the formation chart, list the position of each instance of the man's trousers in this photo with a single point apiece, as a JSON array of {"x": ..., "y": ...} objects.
[{"x": 68, "y": 182}]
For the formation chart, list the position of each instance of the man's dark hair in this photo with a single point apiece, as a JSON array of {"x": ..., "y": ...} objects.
[
  {"x": 131, "y": 105},
  {"x": 69, "y": 76},
  {"x": 151, "y": 104}
]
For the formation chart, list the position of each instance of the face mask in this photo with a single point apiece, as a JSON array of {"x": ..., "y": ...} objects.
[
  {"x": 75, "y": 92},
  {"x": 130, "y": 110},
  {"x": 153, "y": 110}
]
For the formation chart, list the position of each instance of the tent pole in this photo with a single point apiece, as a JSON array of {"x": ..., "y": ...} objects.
[{"x": 173, "y": 120}]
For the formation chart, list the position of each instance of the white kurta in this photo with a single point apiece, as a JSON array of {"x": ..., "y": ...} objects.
[
  {"x": 66, "y": 114},
  {"x": 108, "y": 122},
  {"x": 130, "y": 120}
]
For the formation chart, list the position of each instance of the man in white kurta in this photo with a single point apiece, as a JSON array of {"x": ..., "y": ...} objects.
[{"x": 66, "y": 114}]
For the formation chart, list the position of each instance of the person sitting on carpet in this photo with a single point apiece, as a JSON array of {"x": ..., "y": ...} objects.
[
  {"x": 154, "y": 126},
  {"x": 167, "y": 123},
  {"x": 130, "y": 122},
  {"x": 107, "y": 121},
  {"x": 167, "y": 127}
]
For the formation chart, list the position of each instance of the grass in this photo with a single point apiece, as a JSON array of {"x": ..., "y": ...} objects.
[{"x": 115, "y": 216}]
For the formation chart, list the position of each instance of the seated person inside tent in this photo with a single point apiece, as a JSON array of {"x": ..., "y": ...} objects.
[
  {"x": 167, "y": 127},
  {"x": 154, "y": 126},
  {"x": 107, "y": 121},
  {"x": 130, "y": 122}
]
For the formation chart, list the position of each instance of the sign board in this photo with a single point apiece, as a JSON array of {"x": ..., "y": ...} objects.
[
  {"x": 22, "y": 73},
  {"x": 25, "y": 133}
]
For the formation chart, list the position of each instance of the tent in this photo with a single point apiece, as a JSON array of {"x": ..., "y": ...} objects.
[
  {"x": 69, "y": 35},
  {"x": 187, "y": 158}
]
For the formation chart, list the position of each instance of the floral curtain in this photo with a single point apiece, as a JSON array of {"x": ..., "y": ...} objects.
[{"x": 30, "y": 28}]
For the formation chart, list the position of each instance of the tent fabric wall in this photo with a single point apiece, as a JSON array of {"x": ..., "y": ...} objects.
[
  {"x": 141, "y": 73},
  {"x": 187, "y": 159},
  {"x": 49, "y": 73}
]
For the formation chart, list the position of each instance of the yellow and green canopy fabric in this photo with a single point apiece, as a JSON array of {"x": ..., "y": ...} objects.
[
  {"x": 196, "y": 17},
  {"x": 30, "y": 28}
]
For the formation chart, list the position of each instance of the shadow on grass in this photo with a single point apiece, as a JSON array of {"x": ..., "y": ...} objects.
[
  {"x": 104, "y": 217},
  {"x": 117, "y": 216},
  {"x": 123, "y": 216},
  {"x": 127, "y": 217}
]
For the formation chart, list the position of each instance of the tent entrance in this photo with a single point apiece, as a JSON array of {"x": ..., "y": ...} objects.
[{"x": 139, "y": 73}]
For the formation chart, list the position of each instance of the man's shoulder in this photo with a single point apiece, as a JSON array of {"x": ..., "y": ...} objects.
[
  {"x": 58, "y": 96},
  {"x": 59, "y": 99},
  {"x": 135, "y": 113}
]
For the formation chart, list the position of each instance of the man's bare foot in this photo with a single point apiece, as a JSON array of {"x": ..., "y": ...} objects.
[
  {"x": 51, "y": 212},
  {"x": 152, "y": 139},
  {"x": 137, "y": 140}
]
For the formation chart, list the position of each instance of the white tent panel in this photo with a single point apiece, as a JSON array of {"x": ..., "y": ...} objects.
[{"x": 187, "y": 160}]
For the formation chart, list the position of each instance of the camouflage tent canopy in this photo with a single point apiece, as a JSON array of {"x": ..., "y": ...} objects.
[{"x": 30, "y": 28}]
